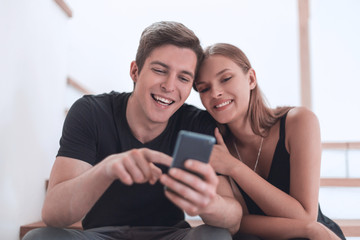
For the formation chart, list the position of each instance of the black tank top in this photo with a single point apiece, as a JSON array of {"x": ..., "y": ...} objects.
[{"x": 279, "y": 176}]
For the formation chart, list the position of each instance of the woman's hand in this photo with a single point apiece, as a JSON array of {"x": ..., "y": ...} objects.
[{"x": 221, "y": 159}]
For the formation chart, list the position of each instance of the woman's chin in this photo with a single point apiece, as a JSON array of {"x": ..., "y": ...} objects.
[{"x": 221, "y": 120}]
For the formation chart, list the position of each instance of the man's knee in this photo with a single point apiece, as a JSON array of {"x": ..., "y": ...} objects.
[
  {"x": 206, "y": 232},
  {"x": 47, "y": 233}
]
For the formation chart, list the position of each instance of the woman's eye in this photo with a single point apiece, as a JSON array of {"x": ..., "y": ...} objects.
[
  {"x": 226, "y": 79},
  {"x": 203, "y": 90}
]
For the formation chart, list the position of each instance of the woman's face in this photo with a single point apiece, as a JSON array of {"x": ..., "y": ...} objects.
[{"x": 224, "y": 88}]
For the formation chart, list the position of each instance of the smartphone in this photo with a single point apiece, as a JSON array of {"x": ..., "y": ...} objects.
[{"x": 192, "y": 145}]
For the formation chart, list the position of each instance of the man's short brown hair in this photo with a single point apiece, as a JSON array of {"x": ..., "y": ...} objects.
[{"x": 167, "y": 32}]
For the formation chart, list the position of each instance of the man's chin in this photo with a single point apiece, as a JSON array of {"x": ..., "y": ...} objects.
[{"x": 163, "y": 116}]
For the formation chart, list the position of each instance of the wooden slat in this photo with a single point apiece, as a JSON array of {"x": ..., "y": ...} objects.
[
  {"x": 341, "y": 145},
  {"x": 64, "y": 7},
  {"x": 78, "y": 86},
  {"x": 350, "y": 227},
  {"x": 340, "y": 182},
  {"x": 305, "y": 76}
]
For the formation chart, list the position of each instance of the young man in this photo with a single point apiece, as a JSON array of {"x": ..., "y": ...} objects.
[{"x": 114, "y": 152}]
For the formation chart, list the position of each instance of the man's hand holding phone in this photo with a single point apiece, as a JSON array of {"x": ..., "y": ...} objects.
[{"x": 191, "y": 183}]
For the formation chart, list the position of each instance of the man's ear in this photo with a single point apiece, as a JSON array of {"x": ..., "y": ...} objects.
[
  {"x": 252, "y": 78},
  {"x": 134, "y": 70}
]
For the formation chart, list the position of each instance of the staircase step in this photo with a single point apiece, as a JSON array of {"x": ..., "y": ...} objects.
[
  {"x": 350, "y": 227},
  {"x": 340, "y": 182}
]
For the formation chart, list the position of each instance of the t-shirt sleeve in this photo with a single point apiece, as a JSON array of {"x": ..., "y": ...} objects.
[{"x": 78, "y": 138}]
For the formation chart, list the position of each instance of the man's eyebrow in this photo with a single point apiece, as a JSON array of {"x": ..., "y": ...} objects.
[
  {"x": 167, "y": 67},
  {"x": 159, "y": 63},
  {"x": 188, "y": 73}
]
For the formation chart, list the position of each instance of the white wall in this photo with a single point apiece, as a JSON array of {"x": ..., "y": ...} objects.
[
  {"x": 33, "y": 69},
  {"x": 105, "y": 36},
  {"x": 335, "y": 56}
]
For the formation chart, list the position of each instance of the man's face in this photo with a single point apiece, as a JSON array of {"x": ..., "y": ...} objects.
[{"x": 164, "y": 82}]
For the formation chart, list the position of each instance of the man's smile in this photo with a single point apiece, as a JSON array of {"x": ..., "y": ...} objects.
[{"x": 162, "y": 100}]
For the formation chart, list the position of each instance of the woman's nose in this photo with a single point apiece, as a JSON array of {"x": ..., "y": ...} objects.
[{"x": 217, "y": 92}]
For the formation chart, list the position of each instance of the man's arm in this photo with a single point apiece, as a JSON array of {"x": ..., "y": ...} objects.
[
  {"x": 210, "y": 197},
  {"x": 75, "y": 186}
]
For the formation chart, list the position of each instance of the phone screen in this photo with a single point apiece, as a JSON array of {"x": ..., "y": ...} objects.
[{"x": 191, "y": 145}]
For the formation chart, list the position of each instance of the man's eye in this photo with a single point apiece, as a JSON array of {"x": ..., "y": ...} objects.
[
  {"x": 158, "y": 70},
  {"x": 184, "y": 79}
]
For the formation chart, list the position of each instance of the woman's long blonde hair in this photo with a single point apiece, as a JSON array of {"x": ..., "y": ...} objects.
[{"x": 262, "y": 117}]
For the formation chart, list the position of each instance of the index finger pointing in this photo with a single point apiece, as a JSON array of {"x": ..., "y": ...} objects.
[{"x": 157, "y": 157}]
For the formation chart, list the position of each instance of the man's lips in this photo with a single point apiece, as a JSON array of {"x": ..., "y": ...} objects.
[{"x": 162, "y": 100}]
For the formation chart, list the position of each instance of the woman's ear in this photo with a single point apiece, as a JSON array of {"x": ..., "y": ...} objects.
[
  {"x": 134, "y": 70},
  {"x": 252, "y": 78}
]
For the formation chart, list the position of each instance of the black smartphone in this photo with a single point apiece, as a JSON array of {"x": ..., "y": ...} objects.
[{"x": 192, "y": 145}]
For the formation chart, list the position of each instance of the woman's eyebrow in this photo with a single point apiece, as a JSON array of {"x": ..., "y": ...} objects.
[
  {"x": 222, "y": 71},
  {"x": 217, "y": 74}
]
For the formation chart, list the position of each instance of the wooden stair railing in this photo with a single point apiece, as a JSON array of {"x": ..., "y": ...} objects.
[
  {"x": 64, "y": 7},
  {"x": 341, "y": 145},
  {"x": 346, "y": 181},
  {"x": 340, "y": 182},
  {"x": 77, "y": 86}
]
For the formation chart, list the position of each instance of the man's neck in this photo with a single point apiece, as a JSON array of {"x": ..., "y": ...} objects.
[{"x": 142, "y": 127}]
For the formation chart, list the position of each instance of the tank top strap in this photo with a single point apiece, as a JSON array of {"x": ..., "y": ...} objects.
[{"x": 282, "y": 126}]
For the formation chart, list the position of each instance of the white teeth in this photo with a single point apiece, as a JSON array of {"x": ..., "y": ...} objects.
[
  {"x": 163, "y": 100},
  {"x": 223, "y": 104}
]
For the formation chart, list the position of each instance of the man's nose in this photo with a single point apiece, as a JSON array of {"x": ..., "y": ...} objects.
[{"x": 169, "y": 84}]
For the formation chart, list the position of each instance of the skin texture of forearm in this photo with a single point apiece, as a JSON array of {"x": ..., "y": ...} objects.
[
  {"x": 270, "y": 199},
  {"x": 281, "y": 228},
  {"x": 77, "y": 196},
  {"x": 225, "y": 212},
  {"x": 75, "y": 185}
]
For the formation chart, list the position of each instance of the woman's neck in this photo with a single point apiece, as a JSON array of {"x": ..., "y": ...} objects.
[{"x": 242, "y": 132}]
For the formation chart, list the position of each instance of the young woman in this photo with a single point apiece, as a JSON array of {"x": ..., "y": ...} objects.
[{"x": 272, "y": 156}]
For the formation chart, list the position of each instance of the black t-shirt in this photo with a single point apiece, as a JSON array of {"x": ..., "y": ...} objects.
[{"x": 95, "y": 128}]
